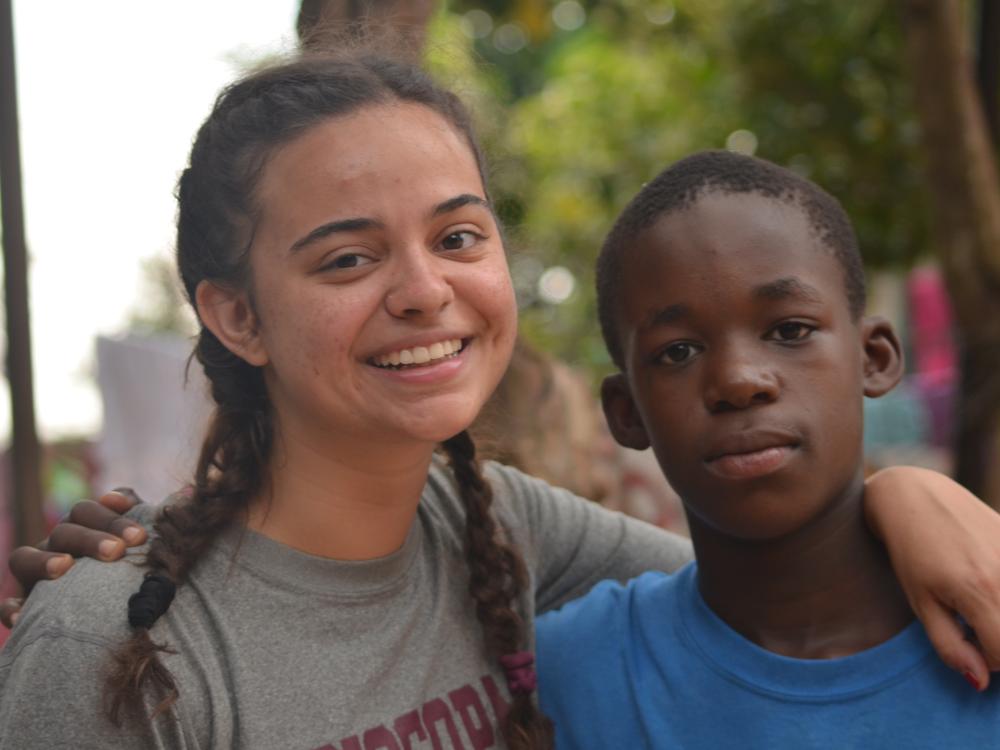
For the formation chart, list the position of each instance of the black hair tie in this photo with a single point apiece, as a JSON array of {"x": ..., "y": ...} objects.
[{"x": 151, "y": 601}]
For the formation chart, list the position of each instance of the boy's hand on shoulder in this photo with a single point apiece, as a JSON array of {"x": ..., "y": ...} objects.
[
  {"x": 94, "y": 529},
  {"x": 945, "y": 548}
]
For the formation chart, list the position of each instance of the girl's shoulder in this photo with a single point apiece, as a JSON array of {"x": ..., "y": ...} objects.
[
  {"x": 518, "y": 498},
  {"x": 54, "y": 665},
  {"x": 89, "y": 602}
]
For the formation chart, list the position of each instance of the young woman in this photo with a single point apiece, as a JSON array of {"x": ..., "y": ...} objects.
[{"x": 330, "y": 582}]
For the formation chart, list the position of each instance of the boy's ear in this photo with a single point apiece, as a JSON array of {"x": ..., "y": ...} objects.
[
  {"x": 229, "y": 315},
  {"x": 620, "y": 410},
  {"x": 883, "y": 360}
]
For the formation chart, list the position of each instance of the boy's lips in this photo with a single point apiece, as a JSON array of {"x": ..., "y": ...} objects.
[{"x": 751, "y": 454}]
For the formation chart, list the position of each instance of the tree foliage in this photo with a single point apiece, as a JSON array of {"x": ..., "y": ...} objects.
[
  {"x": 580, "y": 103},
  {"x": 581, "y": 117}
]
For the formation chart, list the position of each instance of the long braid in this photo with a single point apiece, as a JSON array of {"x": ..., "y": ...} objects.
[
  {"x": 497, "y": 576},
  {"x": 230, "y": 470}
]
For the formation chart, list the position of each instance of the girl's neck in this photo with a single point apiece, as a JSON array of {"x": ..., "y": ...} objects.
[
  {"x": 824, "y": 591},
  {"x": 342, "y": 500}
]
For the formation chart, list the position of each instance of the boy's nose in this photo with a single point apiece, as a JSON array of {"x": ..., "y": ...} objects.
[
  {"x": 740, "y": 385},
  {"x": 419, "y": 286}
]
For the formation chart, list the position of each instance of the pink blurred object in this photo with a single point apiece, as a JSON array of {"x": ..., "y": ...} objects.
[
  {"x": 931, "y": 321},
  {"x": 933, "y": 346}
]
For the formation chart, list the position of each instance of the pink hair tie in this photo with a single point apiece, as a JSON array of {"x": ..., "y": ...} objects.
[{"x": 520, "y": 670}]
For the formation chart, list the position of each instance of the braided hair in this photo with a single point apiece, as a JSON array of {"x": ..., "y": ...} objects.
[{"x": 215, "y": 225}]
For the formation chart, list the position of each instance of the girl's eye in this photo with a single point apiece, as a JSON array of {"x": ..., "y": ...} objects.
[
  {"x": 346, "y": 261},
  {"x": 460, "y": 240},
  {"x": 791, "y": 331},
  {"x": 682, "y": 351}
]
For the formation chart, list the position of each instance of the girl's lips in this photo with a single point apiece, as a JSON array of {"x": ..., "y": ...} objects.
[
  {"x": 432, "y": 372},
  {"x": 419, "y": 354},
  {"x": 753, "y": 464}
]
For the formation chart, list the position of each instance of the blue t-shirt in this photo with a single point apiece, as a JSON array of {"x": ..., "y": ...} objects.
[{"x": 649, "y": 665}]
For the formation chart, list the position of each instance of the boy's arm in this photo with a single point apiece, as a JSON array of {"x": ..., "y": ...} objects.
[
  {"x": 94, "y": 529},
  {"x": 944, "y": 544}
]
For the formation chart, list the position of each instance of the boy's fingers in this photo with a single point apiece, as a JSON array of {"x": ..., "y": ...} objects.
[
  {"x": 31, "y": 565},
  {"x": 121, "y": 500},
  {"x": 81, "y": 541},
  {"x": 9, "y": 611},
  {"x": 949, "y": 640},
  {"x": 98, "y": 517},
  {"x": 129, "y": 530}
]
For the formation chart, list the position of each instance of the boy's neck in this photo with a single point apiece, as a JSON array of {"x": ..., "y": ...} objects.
[{"x": 824, "y": 591}]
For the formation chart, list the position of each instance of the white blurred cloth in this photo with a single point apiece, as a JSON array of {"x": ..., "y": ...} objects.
[{"x": 154, "y": 416}]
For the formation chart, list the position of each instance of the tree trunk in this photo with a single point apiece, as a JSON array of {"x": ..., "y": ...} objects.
[
  {"x": 320, "y": 22},
  {"x": 965, "y": 192},
  {"x": 988, "y": 64}
]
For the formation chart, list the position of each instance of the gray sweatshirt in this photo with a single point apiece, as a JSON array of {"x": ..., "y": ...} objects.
[{"x": 273, "y": 648}]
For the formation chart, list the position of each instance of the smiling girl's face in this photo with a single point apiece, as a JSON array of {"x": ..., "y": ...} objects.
[{"x": 384, "y": 308}]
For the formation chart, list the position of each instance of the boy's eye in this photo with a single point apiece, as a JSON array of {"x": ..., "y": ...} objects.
[
  {"x": 679, "y": 352},
  {"x": 791, "y": 331},
  {"x": 460, "y": 240}
]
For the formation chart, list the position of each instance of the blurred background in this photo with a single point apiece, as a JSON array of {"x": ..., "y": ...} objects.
[{"x": 891, "y": 105}]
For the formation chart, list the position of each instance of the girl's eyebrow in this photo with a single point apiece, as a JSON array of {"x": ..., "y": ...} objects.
[
  {"x": 465, "y": 199},
  {"x": 333, "y": 227},
  {"x": 362, "y": 223}
]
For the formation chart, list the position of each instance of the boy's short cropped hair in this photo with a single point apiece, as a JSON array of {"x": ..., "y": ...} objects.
[{"x": 684, "y": 182}]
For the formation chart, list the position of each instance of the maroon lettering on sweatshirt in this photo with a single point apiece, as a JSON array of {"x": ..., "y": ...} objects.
[
  {"x": 380, "y": 738},
  {"x": 435, "y": 713},
  {"x": 438, "y": 721},
  {"x": 409, "y": 725},
  {"x": 467, "y": 705}
]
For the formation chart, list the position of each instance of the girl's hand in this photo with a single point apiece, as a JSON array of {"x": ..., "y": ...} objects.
[
  {"x": 92, "y": 529},
  {"x": 944, "y": 544}
]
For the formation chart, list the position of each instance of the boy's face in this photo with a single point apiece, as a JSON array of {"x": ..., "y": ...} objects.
[{"x": 744, "y": 367}]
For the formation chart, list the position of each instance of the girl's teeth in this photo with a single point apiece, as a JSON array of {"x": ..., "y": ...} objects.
[{"x": 420, "y": 355}]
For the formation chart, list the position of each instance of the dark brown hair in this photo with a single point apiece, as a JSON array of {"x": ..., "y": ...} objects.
[
  {"x": 681, "y": 184},
  {"x": 214, "y": 230}
]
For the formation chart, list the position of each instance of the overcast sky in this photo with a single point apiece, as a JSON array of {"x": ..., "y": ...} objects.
[{"x": 110, "y": 93}]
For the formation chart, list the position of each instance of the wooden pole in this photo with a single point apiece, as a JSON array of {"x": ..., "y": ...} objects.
[{"x": 26, "y": 498}]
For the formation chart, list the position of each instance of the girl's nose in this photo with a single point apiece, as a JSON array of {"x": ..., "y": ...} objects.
[{"x": 420, "y": 286}]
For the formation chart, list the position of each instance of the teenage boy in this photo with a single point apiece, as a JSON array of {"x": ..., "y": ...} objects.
[{"x": 731, "y": 296}]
